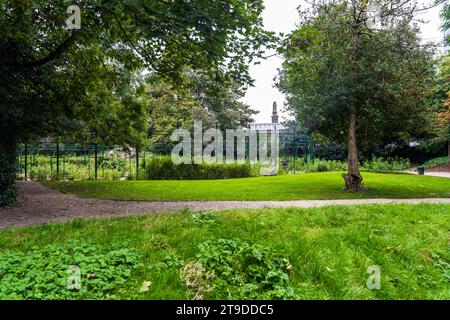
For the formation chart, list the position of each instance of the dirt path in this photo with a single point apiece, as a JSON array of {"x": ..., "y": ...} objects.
[{"x": 38, "y": 204}]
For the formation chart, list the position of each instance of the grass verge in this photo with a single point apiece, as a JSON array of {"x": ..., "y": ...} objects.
[{"x": 319, "y": 253}]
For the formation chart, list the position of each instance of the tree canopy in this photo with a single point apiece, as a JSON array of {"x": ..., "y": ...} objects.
[
  {"x": 355, "y": 71},
  {"x": 56, "y": 80}
]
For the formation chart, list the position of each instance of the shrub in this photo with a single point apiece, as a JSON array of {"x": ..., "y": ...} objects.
[
  {"x": 436, "y": 162},
  {"x": 318, "y": 165},
  {"x": 331, "y": 151},
  {"x": 162, "y": 168},
  {"x": 378, "y": 164},
  {"x": 375, "y": 165},
  {"x": 39, "y": 173},
  {"x": 113, "y": 162},
  {"x": 41, "y": 167},
  {"x": 245, "y": 271}
]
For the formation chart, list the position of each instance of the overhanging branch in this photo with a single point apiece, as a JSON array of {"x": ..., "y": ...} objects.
[{"x": 48, "y": 58}]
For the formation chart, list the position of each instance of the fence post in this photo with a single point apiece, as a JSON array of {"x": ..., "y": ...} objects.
[
  {"x": 26, "y": 161},
  {"x": 137, "y": 162},
  {"x": 64, "y": 162},
  {"x": 31, "y": 163},
  {"x": 103, "y": 163},
  {"x": 95, "y": 160},
  {"x": 306, "y": 149},
  {"x": 295, "y": 146},
  {"x": 57, "y": 161}
]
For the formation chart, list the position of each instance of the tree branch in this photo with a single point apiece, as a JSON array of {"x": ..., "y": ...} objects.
[{"x": 50, "y": 57}]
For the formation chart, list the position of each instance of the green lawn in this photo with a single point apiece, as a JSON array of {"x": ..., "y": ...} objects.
[
  {"x": 327, "y": 252},
  {"x": 307, "y": 186}
]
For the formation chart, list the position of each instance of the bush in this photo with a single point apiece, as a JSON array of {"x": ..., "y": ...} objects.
[
  {"x": 331, "y": 151},
  {"x": 42, "y": 167},
  {"x": 436, "y": 162},
  {"x": 318, "y": 165},
  {"x": 375, "y": 165},
  {"x": 246, "y": 271},
  {"x": 39, "y": 173},
  {"x": 113, "y": 162},
  {"x": 162, "y": 168},
  {"x": 378, "y": 164}
]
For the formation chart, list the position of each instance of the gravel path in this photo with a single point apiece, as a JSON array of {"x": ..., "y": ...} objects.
[
  {"x": 432, "y": 173},
  {"x": 38, "y": 204}
]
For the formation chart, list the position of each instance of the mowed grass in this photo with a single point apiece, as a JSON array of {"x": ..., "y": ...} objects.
[
  {"x": 329, "y": 248},
  {"x": 308, "y": 186}
]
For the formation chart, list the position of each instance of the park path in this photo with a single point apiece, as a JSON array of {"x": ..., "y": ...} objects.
[
  {"x": 38, "y": 204},
  {"x": 430, "y": 173}
]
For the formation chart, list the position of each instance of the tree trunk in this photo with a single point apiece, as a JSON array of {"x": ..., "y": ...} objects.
[
  {"x": 353, "y": 178},
  {"x": 448, "y": 149},
  {"x": 8, "y": 192}
]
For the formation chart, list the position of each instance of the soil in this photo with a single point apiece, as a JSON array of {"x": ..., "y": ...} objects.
[{"x": 442, "y": 168}]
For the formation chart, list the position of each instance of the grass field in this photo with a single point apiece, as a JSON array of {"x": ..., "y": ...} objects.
[
  {"x": 327, "y": 252},
  {"x": 327, "y": 185}
]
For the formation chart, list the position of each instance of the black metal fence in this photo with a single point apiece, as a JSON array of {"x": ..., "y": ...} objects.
[
  {"x": 68, "y": 161},
  {"x": 44, "y": 160}
]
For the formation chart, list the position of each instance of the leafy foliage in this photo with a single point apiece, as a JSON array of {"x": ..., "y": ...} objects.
[
  {"x": 445, "y": 14},
  {"x": 356, "y": 72},
  {"x": 378, "y": 164},
  {"x": 251, "y": 271},
  {"x": 215, "y": 104},
  {"x": 436, "y": 162},
  {"x": 42, "y": 273},
  {"x": 88, "y": 82},
  {"x": 329, "y": 248},
  {"x": 162, "y": 168},
  {"x": 331, "y": 151},
  {"x": 441, "y": 98},
  {"x": 73, "y": 167}
]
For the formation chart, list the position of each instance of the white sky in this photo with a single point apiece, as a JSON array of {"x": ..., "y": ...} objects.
[{"x": 282, "y": 16}]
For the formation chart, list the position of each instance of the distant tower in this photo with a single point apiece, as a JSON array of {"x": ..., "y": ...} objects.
[{"x": 274, "y": 113}]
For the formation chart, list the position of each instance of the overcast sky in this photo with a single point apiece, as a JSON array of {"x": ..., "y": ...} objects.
[{"x": 282, "y": 16}]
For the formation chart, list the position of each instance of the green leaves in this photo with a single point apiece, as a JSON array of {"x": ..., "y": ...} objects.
[
  {"x": 249, "y": 271},
  {"x": 42, "y": 273},
  {"x": 334, "y": 60},
  {"x": 56, "y": 82}
]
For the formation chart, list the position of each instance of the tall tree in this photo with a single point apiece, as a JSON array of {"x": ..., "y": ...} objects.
[
  {"x": 52, "y": 77},
  {"x": 355, "y": 70},
  {"x": 215, "y": 104},
  {"x": 442, "y": 92}
]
